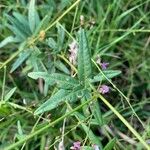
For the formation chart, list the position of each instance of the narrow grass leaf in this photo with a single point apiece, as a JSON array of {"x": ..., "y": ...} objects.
[
  {"x": 23, "y": 56},
  {"x": 7, "y": 40},
  {"x": 20, "y": 132},
  {"x": 9, "y": 94},
  {"x": 90, "y": 134},
  {"x": 97, "y": 113},
  {"x": 110, "y": 145},
  {"x": 127, "y": 124}
]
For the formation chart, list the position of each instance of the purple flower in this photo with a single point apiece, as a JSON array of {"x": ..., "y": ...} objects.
[
  {"x": 76, "y": 146},
  {"x": 96, "y": 147},
  {"x": 104, "y": 65},
  {"x": 73, "y": 52},
  {"x": 104, "y": 89}
]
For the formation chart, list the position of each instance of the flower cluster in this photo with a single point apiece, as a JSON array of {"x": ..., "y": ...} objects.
[
  {"x": 76, "y": 146},
  {"x": 103, "y": 88},
  {"x": 103, "y": 65},
  {"x": 73, "y": 49}
]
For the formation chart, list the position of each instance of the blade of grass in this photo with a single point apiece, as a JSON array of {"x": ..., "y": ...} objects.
[
  {"x": 125, "y": 122},
  {"x": 3, "y": 86},
  {"x": 127, "y": 99},
  {"x": 14, "y": 145},
  {"x": 58, "y": 19}
]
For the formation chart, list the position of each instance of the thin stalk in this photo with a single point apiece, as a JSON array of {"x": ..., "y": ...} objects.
[
  {"x": 58, "y": 19},
  {"x": 74, "y": 19},
  {"x": 135, "y": 133},
  {"x": 9, "y": 59},
  {"x": 3, "y": 86},
  {"x": 12, "y": 146},
  {"x": 127, "y": 99},
  {"x": 125, "y": 122},
  {"x": 36, "y": 38},
  {"x": 126, "y": 30}
]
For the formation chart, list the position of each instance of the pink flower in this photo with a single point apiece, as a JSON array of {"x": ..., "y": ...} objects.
[
  {"x": 104, "y": 89},
  {"x": 76, "y": 146},
  {"x": 104, "y": 65},
  {"x": 73, "y": 52}
]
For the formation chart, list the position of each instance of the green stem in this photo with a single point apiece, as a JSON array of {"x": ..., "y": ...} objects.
[
  {"x": 121, "y": 118},
  {"x": 127, "y": 99},
  {"x": 46, "y": 127},
  {"x": 58, "y": 19},
  {"x": 125, "y": 122},
  {"x": 33, "y": 40},
  {"x": 3, "y": 86},
  {"x": 126, "y": 30}
]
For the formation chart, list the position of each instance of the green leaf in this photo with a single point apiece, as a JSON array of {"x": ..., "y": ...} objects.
[
  {"x": 32, "y": 15},
  {"x": 37, "y": 19},
  {"x": 87, "y": 148},
  {"x": 108, "y": 73},
  {"x": 20, "y": 134},
  {"x": 59, "y": 65},
  {"x": 97, "y": 113},
  {"x": 60, "y": 37},
  {"x": 23, "y": 22},
  {"x": 64, "y": 3},
  {"x": 42, "y": 25},
  {"x": 93, "y": 139},
  {"x": 61, "y": 80},
  {"x": 19, "y": 35},
  {"x": 9, "y": 94},
  {"x": 110, "y": 145},
  {"x": 17, "y": 27},
  {"x": 22, "y": 57},
  {"x": 7, "y": 40},
  {"x": 51, "y": 43},
  {"x": 61, "y": 96},
  {"x": 84, "y": 57},
  {"x": 34, "y": 60}
]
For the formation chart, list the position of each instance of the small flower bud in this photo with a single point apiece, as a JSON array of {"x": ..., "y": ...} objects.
[
  {"x": 81, "y": 20},
  {"x": 104, "y": 89},
  {"x": 76, "y": 146},
  {"x": 42, "y": 35}
]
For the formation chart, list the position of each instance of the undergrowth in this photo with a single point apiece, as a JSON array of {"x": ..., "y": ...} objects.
[{"x": 75, "y": 75}]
